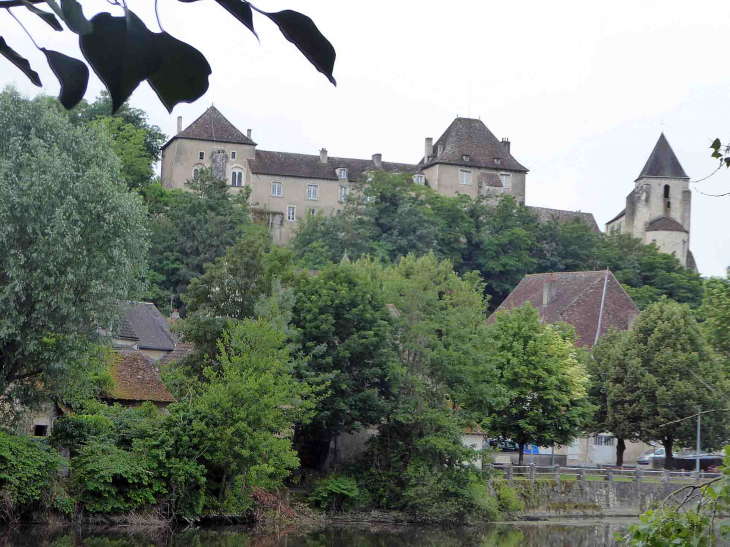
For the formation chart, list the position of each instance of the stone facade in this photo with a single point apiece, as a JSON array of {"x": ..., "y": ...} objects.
[
  {"x": 466, "y": 159},
  {"x": 658, "y": 209}
]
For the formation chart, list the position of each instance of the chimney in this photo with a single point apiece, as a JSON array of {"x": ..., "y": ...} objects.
[
  {"x": 378, "y": 161},
  {"x": 429, "y": 148},
  {"x": 323, "y": 155},
  {"x": 506, "y": 143},
  {"x": 548, "y": 291},
  {"x": 440, "y": 149},
  {"x": 179, "y": 125},
  {"x": 248, "y": 133}
]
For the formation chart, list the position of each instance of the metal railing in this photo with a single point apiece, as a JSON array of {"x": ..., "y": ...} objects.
[{"x": 557, "y": 473}]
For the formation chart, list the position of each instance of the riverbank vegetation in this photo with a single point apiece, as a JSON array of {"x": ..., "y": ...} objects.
[{"x": 371, "y": 320}]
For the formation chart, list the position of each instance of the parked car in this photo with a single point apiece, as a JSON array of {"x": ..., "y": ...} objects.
[
  {"x": 502, "y": 445},
  {"x": 646, "y": 457}
]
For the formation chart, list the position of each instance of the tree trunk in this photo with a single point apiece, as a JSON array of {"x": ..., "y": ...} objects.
[
  {"x": 522, "y": 453},
  {"x": 620, "y": 447},
  {"x": 668, "y": 456}
]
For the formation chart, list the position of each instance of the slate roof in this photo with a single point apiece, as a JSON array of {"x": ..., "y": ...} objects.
[
  {"x": 618, "y": 216},
  {"x": 143, "y": 322},
  {"x": 211, "y": 125},
  {"x": 545, "y": 215},
  {"x": 663, "y": 162},
  {"x": 137, "y": 378},
  {"x": 665, "y": 224},
  {"x": 467, "y": 136},
  {"x": 310, "y": 166},
  {"x": 577, "y": 301},
  {"x": 180, "y": 352}
]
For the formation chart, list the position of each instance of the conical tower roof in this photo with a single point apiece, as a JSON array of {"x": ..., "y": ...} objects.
[{"x": 662, "y": 162}]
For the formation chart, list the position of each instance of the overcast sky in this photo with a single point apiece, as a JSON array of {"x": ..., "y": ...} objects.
[{"x": 582, "y": 89}]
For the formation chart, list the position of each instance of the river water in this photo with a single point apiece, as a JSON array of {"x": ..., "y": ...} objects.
[{"x": 589, "y": 533}]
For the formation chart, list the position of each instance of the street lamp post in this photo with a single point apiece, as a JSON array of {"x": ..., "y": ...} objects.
[{"x": 699, "y": 422}]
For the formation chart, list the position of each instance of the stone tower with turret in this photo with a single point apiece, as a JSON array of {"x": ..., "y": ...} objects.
[{"x": 658, "y": 208}]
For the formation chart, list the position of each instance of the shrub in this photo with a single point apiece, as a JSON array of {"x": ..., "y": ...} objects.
[
  {"x": 75, "y": 431},
  {"x": 108, "y": 479},
  {"x": 335, "y": 493},
  {"x": 28, "y": 471},
  {"x": 508, "y": 500}
]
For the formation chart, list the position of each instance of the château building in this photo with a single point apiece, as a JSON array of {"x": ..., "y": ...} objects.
[
  {"x": 659, "y": 206},
  {"x": 467, "y": 159}
]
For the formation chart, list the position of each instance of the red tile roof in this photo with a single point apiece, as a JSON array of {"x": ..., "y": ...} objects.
[
  {"x": 180, "y": 351},
  {"x": 577, "y": 301}
]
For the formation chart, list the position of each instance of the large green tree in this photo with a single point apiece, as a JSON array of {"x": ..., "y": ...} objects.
[
  {"x": 716, "y": 314},
  {"x": 605, "y": 365},
  {"x": 546, "y": 386},
  {"x": 669, "y": 371},
  {"x": 72, "y": 243},
  {"x": 344, "y": 331},
  {"x": 189, "y": 230}
]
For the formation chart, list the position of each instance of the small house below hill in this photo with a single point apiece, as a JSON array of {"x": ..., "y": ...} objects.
[
  {"x": 575, "y": 298},
  {"x": 137, "y": 380},
  {"x": 142, "y": 327}
]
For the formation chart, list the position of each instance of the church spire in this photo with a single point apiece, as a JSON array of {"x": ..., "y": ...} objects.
[{"x": 662, "y": 162}]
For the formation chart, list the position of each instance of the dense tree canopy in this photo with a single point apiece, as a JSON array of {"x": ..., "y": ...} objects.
[
  {"x": 667, "y": 373},
  {"x": 388, "y": 217},
  {"x": 546, "y": 386},
  {"x": 716, "y": 313},
  {"x": 72, "y": 243}
]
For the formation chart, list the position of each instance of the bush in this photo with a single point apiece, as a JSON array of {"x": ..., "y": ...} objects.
[
  {"x": 335, "y": 493},
  {"x": 75, "y": 431},
  {"x": 508, "y": 500},
  {"x": 28, "y": 471},
  {"x": 108, "y": 479}
]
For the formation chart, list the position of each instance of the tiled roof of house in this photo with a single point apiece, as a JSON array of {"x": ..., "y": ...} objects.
[
  {"x": 211, "y": 125},
  {"x": 181, "y": 351},
  {"x": 663, "y": 162},
  {"x": 545, "y": 215},
  {"x": 618, "y": 216},
  {"x": 310, "y": 166},
  {"x": 470, "y": 137},
  {"x": 137, "y": 378},
  {"x": 143, "y": 322},
  {"x": 665, "y": 224},
  {"x": 577, "y": 301}
]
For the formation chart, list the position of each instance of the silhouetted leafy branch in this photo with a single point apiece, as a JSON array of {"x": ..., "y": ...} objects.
[{"x": 123, "y": 52}]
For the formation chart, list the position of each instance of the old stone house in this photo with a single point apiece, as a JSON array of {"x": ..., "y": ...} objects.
[
  {"x": 467, "y": 159},
  {"x": 575, "y": 298},
  {"x": 659, "y": 207}
]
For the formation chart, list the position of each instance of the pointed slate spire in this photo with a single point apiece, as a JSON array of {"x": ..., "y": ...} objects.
[{"x": 663, "y": 162}]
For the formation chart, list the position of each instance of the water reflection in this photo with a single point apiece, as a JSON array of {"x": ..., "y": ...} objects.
[{"x": 578, "y": 534}]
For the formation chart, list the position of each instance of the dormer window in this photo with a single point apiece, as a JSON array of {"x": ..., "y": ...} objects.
[
  {"x": 466, "y": 157},
  {"x": 419, "y": 179},
  {"x": 201, "y": 155},
  {"x": 342, "y": 173},
  {"x": 497, "y": 160}
]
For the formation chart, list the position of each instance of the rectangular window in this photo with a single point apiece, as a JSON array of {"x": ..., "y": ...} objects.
[
  {"x": 420, "y": 179},
  {"x": 277, "y": 189},
  {"x": 312, "y": 210},
  {"x": 291, "y": 213},
  {"x": 343, "y": 194},
  {"x": 506, "y": 180},
  {"x": 342, "y": 173},
  {"x": 603, "y": 440},
  {"x": 465, "y": 177},
  {"x": 201, "y": 155},
  {"x": 312, "y": 191},
  {"x": 233, "y": 155}
]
